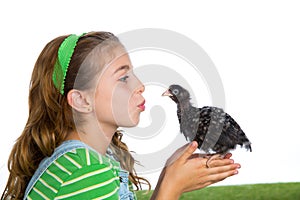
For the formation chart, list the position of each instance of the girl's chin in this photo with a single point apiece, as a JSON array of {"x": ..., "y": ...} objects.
[
  {"x": 127, "y": 120},
  {"x": 132, "y": 123}
]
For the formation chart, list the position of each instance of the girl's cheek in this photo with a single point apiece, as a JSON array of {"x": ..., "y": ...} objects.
[{"x": 120, "y": 97}]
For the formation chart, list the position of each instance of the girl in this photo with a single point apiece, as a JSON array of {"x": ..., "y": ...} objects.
[{"x": 82, "y": 89}]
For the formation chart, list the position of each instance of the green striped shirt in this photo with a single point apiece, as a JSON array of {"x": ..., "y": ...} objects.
[{"x": 79, "y": 174}]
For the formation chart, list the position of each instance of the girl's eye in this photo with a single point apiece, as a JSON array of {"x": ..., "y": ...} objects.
[{"x": 124, "y": 78}]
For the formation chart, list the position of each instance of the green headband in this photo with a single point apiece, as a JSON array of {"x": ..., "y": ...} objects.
[{"x": 65, "y": 53}]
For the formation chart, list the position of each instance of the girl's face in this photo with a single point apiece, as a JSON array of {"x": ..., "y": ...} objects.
[{"x": 118, "y": 95}]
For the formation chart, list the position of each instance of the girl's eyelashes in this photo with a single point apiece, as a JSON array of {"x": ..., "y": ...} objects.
[{"x": 124, "y": 78}]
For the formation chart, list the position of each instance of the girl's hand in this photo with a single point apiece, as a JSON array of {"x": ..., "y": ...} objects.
[{"x": 185, "y": 171}]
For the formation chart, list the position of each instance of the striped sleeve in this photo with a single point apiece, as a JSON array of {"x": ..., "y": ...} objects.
[{"x": 81, "y": 174}]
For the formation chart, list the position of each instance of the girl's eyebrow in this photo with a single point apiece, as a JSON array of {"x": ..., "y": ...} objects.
[{"x": 124, "y": 67}]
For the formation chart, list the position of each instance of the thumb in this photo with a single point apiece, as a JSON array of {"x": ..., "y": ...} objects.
[{"x": 188, "y": 151}]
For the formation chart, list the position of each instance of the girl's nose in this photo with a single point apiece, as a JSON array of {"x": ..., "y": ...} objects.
[{"x": 139, "y": 86}]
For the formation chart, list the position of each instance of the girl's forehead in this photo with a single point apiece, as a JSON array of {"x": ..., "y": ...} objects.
[{"x": 117, "y": 63}]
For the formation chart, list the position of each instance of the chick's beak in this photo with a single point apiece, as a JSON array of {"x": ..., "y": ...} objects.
[{"x": 167, "y": 93}]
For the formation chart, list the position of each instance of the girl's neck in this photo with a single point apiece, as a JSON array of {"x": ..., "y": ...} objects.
[{"x": 98, "y": 139}]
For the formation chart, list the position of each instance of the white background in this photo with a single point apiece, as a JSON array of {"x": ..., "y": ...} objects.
[{"x": 255, "y": 46}]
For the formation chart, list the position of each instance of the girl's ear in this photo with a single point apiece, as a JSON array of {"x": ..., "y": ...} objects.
[{"x": 80, "y": 101}]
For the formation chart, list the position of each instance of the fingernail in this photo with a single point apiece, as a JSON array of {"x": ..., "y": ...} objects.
[
  {"x": 236, "y": 172},
  {"x": 193, "y": 144}
]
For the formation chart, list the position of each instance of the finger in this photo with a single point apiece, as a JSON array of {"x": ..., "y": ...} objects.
[
  {"x": 176, "y": 154},
  {"x": 188, "y": 152},
  {"x": 228, "y": 155},
  {"x": 214, "y": 157},
  {"x": 219, "y": 163},
  {"x": 214, "y": 178},
  {"x": 224, "y": 169},
  {"x": 196, "y": 155},
  {"x": 221, "y": 176}
]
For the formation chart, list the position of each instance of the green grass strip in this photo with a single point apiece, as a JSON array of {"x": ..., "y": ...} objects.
[{"x": 274, "y": 191}]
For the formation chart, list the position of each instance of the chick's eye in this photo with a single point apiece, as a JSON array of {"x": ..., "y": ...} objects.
[
  {"x": 175, "y": 91},
  {"x": 124, "y": 78}
]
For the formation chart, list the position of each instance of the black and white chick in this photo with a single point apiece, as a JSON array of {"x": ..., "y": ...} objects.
[{"x": 216, "y": 132}]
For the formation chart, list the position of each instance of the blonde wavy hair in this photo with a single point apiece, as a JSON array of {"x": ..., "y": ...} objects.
[{"x": 51, "y": 119}]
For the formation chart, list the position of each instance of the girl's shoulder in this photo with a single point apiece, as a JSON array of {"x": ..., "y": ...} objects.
[
  {"x": 81, "y": 171},
  {"x": 82, "y": 157}
]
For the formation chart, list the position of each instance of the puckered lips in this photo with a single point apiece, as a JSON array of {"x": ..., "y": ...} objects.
[{"x": 142, "y": 105}]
